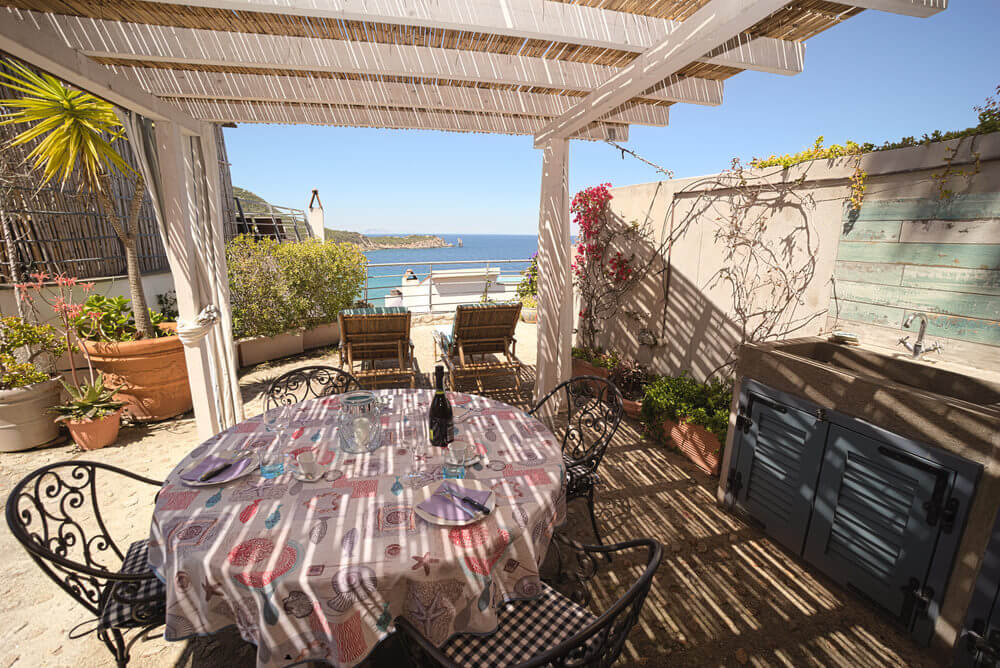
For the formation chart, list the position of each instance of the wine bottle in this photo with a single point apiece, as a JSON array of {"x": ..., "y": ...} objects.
[{"x": 442, "y": 425}]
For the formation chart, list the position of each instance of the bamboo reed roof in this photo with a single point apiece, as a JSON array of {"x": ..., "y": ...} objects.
[{"x": 460, "y": 65}]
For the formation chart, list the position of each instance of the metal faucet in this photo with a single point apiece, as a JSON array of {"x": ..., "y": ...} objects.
[{"x": 918, "y": 349}]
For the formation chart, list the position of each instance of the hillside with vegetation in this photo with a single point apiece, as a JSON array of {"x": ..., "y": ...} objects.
[{"x": 252, "y": 203}]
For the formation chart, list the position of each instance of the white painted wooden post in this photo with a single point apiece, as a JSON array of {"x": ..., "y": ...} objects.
[
  {"x": 555, "y": 286},
  {"x": 180, "y": 219}
]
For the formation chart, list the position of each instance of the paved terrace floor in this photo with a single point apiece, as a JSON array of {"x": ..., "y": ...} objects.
[{"x": 724, "y": 595}]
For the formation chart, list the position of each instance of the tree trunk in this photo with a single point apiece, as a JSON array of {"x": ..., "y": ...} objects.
[{"x": 128, "y": 234}]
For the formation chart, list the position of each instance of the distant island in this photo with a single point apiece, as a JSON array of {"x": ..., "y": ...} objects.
[
  {"x": 387, "y": 241},
  {"x": 253, "y": 203}
]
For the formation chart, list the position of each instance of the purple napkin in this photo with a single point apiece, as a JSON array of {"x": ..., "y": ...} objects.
[
  {"x": 210, "y": 462},
  {"x": 441, "y": 505}
]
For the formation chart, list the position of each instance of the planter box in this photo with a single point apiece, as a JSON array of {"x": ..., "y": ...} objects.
[
  {"x": 633, "y": 409},
  {"x": 266, "y": 348},
  {"x": 696, "y": 443},
  {"x": 584, "y": 368},
  {"x": 321, "y": 336},
  {"x": 25, "y": 419}
]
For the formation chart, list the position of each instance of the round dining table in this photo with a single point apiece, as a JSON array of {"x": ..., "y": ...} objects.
[{"x": 317, "y": 571}]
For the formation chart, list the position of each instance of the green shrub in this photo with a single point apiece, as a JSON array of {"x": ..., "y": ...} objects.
[
  {"x": 528, "y": 287},
  {"x": 684, "y": 399},
  {"x": 276, "y": 287},
  {"x": 605, "y": 360},
  {"x": 21, "y": 343},
  {"x": 112, "y": 319}
]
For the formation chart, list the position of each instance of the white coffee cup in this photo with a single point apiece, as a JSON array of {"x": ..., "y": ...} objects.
[{"x": 309, "y": 464}]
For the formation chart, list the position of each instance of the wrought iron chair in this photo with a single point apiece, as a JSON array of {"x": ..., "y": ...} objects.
[
  {"x": 549, "y": 630},
  {"x": 54, "y": 514},
  {"x": 307, "y": 382},
  {"x": 593, "y": 413}
]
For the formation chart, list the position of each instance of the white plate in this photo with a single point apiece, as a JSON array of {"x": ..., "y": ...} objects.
[
  {"x": 423, "y": 493},
  {"x": 212, "y": 483}
]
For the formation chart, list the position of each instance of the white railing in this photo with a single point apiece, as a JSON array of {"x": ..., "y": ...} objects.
[{"x": 438, "y": 287}]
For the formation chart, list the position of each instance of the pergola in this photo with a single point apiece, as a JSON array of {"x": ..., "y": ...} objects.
[{"x": 554, "y": 69}]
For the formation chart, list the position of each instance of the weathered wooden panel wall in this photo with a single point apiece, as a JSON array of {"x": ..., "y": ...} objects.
[{"x": 939, "y": 257}]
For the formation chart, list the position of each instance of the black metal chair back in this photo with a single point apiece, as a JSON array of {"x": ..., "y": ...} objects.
[
  {"x": 54, "y": 513},
  {"x": 308, "y": 382},
  {"x": 598, "y": 645},
  {"x": 594, "y": 411}
]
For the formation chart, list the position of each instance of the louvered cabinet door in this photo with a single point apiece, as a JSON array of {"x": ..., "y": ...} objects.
[
  {"x": 869, "y": 528},
  {"x": 778, "y": 463}
]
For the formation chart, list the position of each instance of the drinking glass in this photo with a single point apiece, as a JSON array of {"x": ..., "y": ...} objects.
[
  {"x": 419, "y": 455},
  {"x": 305, "y": 466},
  {"x": 272, "y": 463},
  {"x": 455, "y": 458}
]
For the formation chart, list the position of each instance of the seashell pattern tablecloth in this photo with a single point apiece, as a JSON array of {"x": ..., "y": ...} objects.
[{"x": 317, "y": 571}]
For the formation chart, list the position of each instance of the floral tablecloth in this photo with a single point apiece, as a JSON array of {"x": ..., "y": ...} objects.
[{"x": 317, "y": 571}]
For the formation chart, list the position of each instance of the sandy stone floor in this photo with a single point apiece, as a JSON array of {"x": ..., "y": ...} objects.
[{"x": 724, "y": 594}]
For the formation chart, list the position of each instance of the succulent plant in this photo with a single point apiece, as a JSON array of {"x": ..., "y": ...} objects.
[{"x": 90, "y": 401}]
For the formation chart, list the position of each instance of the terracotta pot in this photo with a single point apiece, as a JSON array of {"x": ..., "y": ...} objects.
[
  {"x": 95, "y": 434},
  {"x": 152, "y": 372},
  {"x": 321, "y": 336},
  {"x": 266, "y": 348},
  {"x": 529, "y": 314},
  {"x": 585, "y": 368},
  {"x": 696, "y": 443},
  {"x": 25, "y": 419},
  {"x": 633, "y": 409}
]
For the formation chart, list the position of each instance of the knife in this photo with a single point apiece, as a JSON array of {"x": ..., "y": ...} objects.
[
  {"x": 211, "y": 473},
  {"x": 466, "y": 500}
]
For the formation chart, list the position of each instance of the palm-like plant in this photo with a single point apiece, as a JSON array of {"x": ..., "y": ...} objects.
[{"x": 75, "y": 132}]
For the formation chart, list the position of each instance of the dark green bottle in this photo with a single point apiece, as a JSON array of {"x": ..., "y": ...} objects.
[{"x": 442, "y": 425}]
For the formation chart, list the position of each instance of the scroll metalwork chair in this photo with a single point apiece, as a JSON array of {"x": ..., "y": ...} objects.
[
  {"x": 549, "y": 630},
  {"x": 594, "y": 409},
  {"x": 308, "y": 382},
  {"x": 54, "y": 513}
]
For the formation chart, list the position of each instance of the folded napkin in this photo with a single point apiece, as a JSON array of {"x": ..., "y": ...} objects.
[
  {"x": 210, "y": 462},
  {"x": 441, "y": 505}
]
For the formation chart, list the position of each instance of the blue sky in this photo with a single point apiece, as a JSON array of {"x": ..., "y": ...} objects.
[{"x": 876, "y": 77}]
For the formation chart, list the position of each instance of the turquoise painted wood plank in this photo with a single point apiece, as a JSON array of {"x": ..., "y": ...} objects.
[
  {"x": 982, "y": 307},
  {"x": 978, "y": 281},
  {"x": 869, "y": 272},
  {"x": 983, "y": 231},
  {"x": 938, "y": 326},
  {"x": 957, "y": 207},
  {"x": 966, "y": 256},
  {"x": 871, "y": 230},
  {"x": 870, "y": 313}
]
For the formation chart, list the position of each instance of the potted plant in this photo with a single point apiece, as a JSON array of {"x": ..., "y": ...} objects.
[
  {"x": 150, "y": 373},
  {"x": 591, "y": 362},
  {"x": 692, "y": 416},
  {"x": 630, "y": 378},
  {"x": 527, "y": 291},
  {"x": 27, "y": 390},
  {"x": 92, "y": 414}
]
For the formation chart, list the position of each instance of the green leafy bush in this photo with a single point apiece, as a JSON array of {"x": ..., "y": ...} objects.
[
  {"x": 605, "y": 360},
  {"x": 528, "y": 287},
  {"x": 276, "y": 287},
  {"x": 21, "y": 343},
  {"x": 684, "y": 399},
  {"x": 111, "y": 319}
]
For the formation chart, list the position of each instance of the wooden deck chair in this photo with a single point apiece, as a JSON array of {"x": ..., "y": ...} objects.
[
  {"x": 376, "y": 334},
  {"x": 483, "y": 331}
]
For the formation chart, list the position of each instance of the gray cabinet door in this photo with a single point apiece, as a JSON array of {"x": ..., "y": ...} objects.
[
  {"x": 870, "y": 527},
  {"x": 778, "y": 463}
]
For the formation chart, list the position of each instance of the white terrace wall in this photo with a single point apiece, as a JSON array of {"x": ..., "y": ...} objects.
[{"x": 863, "y": 271}]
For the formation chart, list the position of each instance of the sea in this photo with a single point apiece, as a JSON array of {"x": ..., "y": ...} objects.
[{"x": 474, "y": 247}]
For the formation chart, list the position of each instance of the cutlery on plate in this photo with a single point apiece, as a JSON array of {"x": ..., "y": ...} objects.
[
  {"x": 472, "y": 503},
  {"x": 211, "y": 473}
]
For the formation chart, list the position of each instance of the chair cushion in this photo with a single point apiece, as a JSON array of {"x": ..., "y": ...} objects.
[
  {"x": 445, "y": 337},
  {"x": 525, "y": 629},
  {"x": 118, "y": 614},
  {"x": 579, "y": 477},
  {"x": 374, "y": 310}
]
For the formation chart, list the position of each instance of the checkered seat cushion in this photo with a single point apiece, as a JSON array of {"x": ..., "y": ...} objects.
[
  {"x": 120, "y": 614},
  {"x": 525, "y": 629},
  {"x": 579, "y": 475}
]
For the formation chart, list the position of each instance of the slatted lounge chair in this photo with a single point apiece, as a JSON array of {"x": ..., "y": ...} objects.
[
  {"x": 377, "y": 334},
  {"x": 480, "y": 343}
]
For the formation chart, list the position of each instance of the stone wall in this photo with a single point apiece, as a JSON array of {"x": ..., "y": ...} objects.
[{"x": 695, "y": 317}]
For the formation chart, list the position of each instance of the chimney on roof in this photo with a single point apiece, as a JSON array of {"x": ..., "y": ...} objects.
[{"x": 316, "y": 222}]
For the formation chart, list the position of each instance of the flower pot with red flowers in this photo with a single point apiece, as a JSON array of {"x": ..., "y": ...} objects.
[
  {"x": 690, "y": 416},
  {"x": 92, "y": 414}
]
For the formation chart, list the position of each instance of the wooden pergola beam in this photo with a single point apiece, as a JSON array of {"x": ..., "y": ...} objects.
[
  {"x": 526, "y": 19},
  {"x": 196, "y": 85},
  {"x": 142, "y": 42},
  {"x": 36, "y": 44}
]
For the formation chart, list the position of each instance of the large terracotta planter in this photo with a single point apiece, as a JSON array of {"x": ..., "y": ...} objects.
[
  {"x": 696, "y": 443},
  {"x": 152, "y": 373},
  {"x": 266, "y": 348},
  {"x": 633, "y": 409},
  {"x": 321, "y": 336},
  {"x": 95, "y": 434},
  {"x": 26, "y": 420}
]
